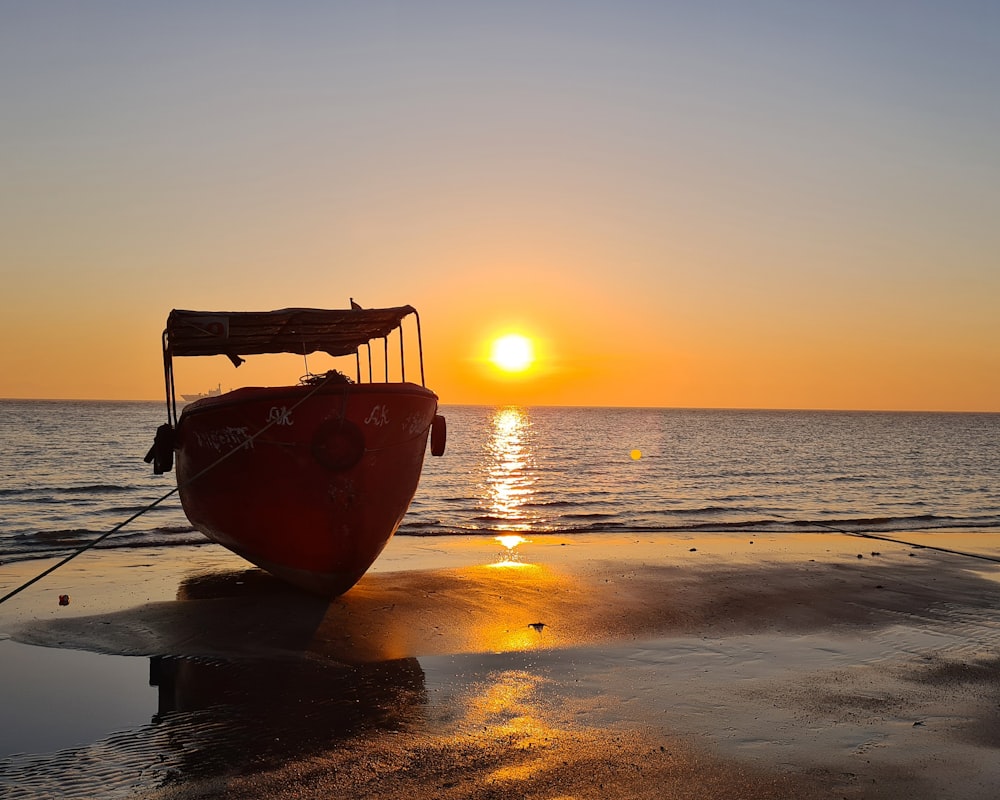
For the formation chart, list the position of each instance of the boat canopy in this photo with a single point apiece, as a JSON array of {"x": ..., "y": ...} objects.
[
  {"x": 339, "y": 332},
  {"x": 301, "y": 331}
]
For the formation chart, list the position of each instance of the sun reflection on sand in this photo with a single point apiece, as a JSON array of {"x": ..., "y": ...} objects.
[
  {"x": 510, "y": 541},
  {"x": 508, "y": 710},
  {"x": 510, "y": 557},
  {"x": 476, "y": 609},
  {"x": 524, "y": 741}
]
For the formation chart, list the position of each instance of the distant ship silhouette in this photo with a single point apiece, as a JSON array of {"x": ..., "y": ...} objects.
[{"x": 210, "y": 393}]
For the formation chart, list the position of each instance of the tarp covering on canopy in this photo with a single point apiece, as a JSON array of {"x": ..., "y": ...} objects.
[{"x": 291, "y": 330}]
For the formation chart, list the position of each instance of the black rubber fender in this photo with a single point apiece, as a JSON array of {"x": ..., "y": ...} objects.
[
  {"x": 439, "y": 435},
  {"x": 162, "y": 451}
]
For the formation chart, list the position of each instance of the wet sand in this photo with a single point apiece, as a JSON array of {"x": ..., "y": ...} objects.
[{"x": 613, "y": 666}]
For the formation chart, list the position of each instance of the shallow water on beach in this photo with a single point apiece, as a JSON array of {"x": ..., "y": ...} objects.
[
  {"x": 68, "y": 698},
  {"x": 503, "y": 717},
  {"x": 71, "y": 471}
]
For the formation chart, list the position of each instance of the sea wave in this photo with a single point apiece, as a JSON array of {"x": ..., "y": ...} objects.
[
  {"x": 65, "y": 491},
  {"x": 770, "y": 524},
  {"x": 59, "y": 543}
]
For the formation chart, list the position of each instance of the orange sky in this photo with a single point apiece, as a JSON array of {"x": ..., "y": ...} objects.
[{"x": 790, "y": 208}]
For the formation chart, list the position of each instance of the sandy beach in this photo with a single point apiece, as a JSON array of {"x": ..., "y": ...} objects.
[{"x": 621, "y": 666}]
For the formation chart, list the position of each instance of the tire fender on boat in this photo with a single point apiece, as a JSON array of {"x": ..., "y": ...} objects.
[
  {"x": 439, "y": 435},
  {"x": 338, "y": 444}
]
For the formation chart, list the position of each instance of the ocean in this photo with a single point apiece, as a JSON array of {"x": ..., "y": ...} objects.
[{"x": 72, "y": 471}]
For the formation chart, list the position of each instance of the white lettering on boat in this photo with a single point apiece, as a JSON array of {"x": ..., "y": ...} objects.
[
  {"x": 414, "y": 423},
  {"x": 378, "y": 416},
  {"x": 280, "y": 416},
  {"x": 225, "y": 439}
]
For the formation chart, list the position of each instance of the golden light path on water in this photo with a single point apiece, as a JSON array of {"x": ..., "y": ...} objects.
[{"x": 509, "y": 481}]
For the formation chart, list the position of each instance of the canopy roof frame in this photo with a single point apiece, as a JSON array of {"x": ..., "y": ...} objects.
[{"x": 300, "y": 331}]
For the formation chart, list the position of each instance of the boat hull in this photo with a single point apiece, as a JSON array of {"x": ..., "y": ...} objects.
[{"x": 315, "y": 483}]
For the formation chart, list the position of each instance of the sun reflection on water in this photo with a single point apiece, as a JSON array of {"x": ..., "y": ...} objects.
[{"x": 509, "y": 479}]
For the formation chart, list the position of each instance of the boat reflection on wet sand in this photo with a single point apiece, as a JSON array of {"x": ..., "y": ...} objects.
[
  {"x": 246, "y": 714},
  {"x": 224, "y": 716},
  {"x": 242, "y": 688}
]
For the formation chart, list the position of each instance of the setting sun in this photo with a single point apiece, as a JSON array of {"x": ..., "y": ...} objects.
[{"x": 512, "y": 353}]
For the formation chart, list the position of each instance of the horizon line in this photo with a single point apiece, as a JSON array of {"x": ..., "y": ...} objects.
[{"x": 576, "y": 406}]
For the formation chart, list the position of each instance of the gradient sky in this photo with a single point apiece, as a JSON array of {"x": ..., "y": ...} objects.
[{"x": 777, "y": 204}]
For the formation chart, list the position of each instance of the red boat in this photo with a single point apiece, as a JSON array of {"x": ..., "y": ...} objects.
[{"x": 307, "y": 481}]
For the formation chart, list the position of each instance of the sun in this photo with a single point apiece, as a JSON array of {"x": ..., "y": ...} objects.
[{"x": 512, "y": 353}]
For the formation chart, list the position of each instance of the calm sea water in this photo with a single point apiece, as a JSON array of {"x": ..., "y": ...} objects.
[{"x": 70, "y": 471}]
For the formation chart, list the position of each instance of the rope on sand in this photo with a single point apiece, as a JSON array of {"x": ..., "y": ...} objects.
[
  {"x": 949, "y": 550},
  {"x": 882, "y": 538},
  {"x": 249, "y": 440}
]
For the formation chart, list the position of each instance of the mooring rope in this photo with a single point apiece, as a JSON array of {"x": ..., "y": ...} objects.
[{"x": 249, "y": 440}]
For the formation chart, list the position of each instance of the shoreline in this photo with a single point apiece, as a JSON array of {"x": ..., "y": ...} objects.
[{"x": 785, "y": 667}]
